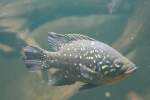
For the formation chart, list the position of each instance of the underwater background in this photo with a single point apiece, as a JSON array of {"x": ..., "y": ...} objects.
[{"x": 123, "y": 24}]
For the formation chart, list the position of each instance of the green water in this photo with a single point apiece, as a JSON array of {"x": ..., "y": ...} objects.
[{"x": 126, "y": 28}]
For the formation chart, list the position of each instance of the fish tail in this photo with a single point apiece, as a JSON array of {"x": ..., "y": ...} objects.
[{"x": 35, "y": 58}]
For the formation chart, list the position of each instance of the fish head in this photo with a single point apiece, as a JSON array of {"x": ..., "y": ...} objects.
[
  {"x": 119, "y": 70},
  {"x": 128, "y": 67}
]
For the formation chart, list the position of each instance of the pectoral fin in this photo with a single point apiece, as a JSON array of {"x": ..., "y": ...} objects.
[
  {"x": 59, "y": 81},
  {"x": 45, "y": 75}
]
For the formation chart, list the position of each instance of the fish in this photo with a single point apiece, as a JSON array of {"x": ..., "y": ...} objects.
[{"x": 78, "y": 58}]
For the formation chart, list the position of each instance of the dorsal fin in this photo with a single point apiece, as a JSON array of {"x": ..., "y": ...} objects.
[{"x": 56, "y": 40}]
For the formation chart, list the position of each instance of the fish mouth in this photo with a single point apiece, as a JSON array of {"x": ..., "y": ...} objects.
[{"x": 130, "y": 70}]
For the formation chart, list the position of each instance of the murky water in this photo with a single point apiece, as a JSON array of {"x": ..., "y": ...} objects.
[{"x": 122, "y": 24}]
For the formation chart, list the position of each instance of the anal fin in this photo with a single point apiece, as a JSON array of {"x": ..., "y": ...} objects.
[
  {"x": 87, "y": 86},
  {"x": 58, "y": 79}
]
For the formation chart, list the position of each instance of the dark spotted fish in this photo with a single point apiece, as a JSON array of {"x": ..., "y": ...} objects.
[{"x": 78, "y": 58}]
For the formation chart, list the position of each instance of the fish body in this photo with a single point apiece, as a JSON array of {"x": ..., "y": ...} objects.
[{"x": 79, "y": 58}]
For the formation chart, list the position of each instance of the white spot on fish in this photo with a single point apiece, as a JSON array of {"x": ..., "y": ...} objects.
[
  {"x": 91, "y": 58},
  {"x": 99, "y": 56},
  {"x": 70, "y": 55},
  {"x": 96, "y": 51},
  {"x": 80, "y": 57},
  {"x": 92, "y": 43},
  {"x": 82, "y": 49},
  {"x": 90, "y": 65},
  {"x": 94, "y": 61},
  {"x": 104, "y": 66},
  {"x": 100, "y": 62},
  {"x": 101, "y": 51},
  {"x": 80, "y": 64},
  {"x": 96, "y": 56},
  {"x": 68, "y": 48},
  {"x": 75, "y": 64},
  {"x": 107, "y": 61},
  {"x": 44, "y": 55},
  {"x": 64, "y": 54}
]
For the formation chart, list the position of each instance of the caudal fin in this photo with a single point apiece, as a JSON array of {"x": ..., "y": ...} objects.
[{"x": 34, "y": 58}]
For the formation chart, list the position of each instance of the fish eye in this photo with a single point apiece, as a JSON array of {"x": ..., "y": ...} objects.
[{"x": 118, "y": 63}]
